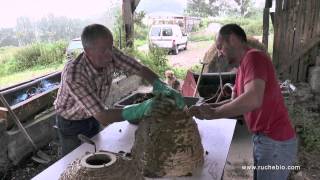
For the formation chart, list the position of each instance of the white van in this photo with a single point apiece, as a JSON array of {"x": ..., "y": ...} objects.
[
  {"x": 168, "y": 36},
  {"x": 74, "y": 48}
]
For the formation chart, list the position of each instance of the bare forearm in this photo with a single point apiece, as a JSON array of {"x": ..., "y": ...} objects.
[
  {"x": 237, "y": 107},
  {"x": 109, "y": 116},
  {"x": 220, "y": 103},
  {"x": 249, "y": 101}
]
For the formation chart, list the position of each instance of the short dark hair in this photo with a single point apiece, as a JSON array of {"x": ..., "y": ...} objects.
[
  {"x": 93, "y": 32},
  {"x": 229, "y": 29}
]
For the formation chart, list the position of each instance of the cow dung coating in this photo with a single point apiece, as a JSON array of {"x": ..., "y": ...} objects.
[{"x": 169, "y": 145}]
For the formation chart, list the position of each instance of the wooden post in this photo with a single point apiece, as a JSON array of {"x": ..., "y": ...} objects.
[
  {"x": 128, "y": 8},
  {"x": 266, "y": 11}
]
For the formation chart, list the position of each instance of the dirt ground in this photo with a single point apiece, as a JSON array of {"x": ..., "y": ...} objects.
[
  {"x": 191, "y": 56},
  {"x": 29, "y": 168}
]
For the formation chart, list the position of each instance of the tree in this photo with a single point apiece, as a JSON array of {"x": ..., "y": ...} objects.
[
  {"x": 140, "y": 29},
  {"x": 8, "y": 37},
  {"x": 244, "y": 6},
  {"x": 204, "y": 8},
  {"x": 25, "y": 31},
  {"x": 198, "y": 8},
  {"x": 53, "y": 28}
]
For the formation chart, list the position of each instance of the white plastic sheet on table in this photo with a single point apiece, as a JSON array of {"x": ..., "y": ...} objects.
[{"x": 216, "y": 136}]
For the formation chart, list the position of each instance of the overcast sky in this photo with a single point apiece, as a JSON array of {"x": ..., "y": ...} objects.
[{"x": 10, "y": 10}]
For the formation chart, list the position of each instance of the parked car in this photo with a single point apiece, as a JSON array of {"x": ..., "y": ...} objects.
[
  {"x": 74, "y": 48},
  {"x": 168, "y": 36}
]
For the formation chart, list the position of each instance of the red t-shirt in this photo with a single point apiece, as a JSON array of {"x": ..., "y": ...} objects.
[{"x": 272, "y": 117}]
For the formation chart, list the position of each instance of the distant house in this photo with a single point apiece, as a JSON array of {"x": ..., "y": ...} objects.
[{"x": 186, "y": 23}]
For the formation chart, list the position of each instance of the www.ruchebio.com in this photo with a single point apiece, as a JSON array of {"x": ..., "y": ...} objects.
[{"x": 269, "y": 167}]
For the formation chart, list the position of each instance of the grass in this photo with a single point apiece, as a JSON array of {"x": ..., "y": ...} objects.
[
  {"x": 7, "y": 53},
  {"x": 20, "y": 64},
  {"x": 139, "y": 42},
  {"x": 29, "y": 74}
]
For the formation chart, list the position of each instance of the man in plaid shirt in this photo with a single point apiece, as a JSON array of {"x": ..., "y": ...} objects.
[{"x": 85, "y": 86}]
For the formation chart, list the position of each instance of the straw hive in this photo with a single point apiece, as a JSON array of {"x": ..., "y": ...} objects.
[
  {"x": 211, "y": 57},
  {"x": 121, "y": 168},
  {"x": 168, "y": 145}
]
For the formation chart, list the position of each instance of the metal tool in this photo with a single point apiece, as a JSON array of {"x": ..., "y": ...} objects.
[
  {"x": 198, "y": 82},
  {"x": 85, "y": 139},
  {"x": 39, "y": 156}
]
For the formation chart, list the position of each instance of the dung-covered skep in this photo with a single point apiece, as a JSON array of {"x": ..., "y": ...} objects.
[{"x": 167, "y": 142}]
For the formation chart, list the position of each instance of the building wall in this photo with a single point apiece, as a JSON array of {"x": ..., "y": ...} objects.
[{"x": 296, "y": 37}]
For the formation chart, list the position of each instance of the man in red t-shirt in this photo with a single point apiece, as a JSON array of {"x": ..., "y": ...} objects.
[{"x": 258, "y": 97}]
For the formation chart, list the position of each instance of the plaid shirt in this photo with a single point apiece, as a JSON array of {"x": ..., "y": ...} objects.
[{"x": 84, "y": 90}]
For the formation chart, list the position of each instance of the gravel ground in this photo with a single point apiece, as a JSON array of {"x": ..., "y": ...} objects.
[{"x": 29, "y": 168}]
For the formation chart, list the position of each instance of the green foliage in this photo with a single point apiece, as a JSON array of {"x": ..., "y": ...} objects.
[
  {"x": 7, "y": 61},
  {"x": 204, "y": 23},
  {"x": 140, "y": 30},
  {"x": 308, "y": 126},
  {"x": 38, "y": 54},
  {"x": 13, "y": 78},
  {"x": 201, "y": 8},
  {"x": 140, "y": 33},
  {"x": 155, "y": 59},
  {"x": 196, "y": 68},
  {"x": 196, "y": 37},
  {"x": 118, "y": 32},
  {"x": 213, "y": 8},
  {"x": 6, "y": 53},
  {"x": 180, "y": 73},
  {"x": 139, "y": 42},
  {"x": 252, "y": 25}
]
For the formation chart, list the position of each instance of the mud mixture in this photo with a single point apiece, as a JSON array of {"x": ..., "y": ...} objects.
[
  {"x": 168, "y": 146},
  {"x": 122, "y": 169}
]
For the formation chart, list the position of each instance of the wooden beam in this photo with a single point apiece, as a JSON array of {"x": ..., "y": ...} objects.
[
  {"x": 266, "y": 12},
  {"x": 128, "y": 8},
  {"x": 296, "y": 56},
  {"x": 127, "y": 16},
  {"x": 265, "y": 27}
]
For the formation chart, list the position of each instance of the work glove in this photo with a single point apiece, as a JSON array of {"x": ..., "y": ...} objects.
[
  {"x": 160, "y": 87},
  {"x": 135, "y": 112}
]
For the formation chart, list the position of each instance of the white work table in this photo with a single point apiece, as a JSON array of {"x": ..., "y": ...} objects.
[{"x": 216, "y": 136}]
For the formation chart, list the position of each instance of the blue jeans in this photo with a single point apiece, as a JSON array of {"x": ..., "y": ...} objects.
[
  {"x": 68, "y": 131},
  {"x": 269, "y": 153}
]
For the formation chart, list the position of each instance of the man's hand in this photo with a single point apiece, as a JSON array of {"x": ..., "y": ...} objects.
[
  {"x": 134, "y": 113},
  {"x": 158, "y": 106},
  {"x": 203, "y": 111}
]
